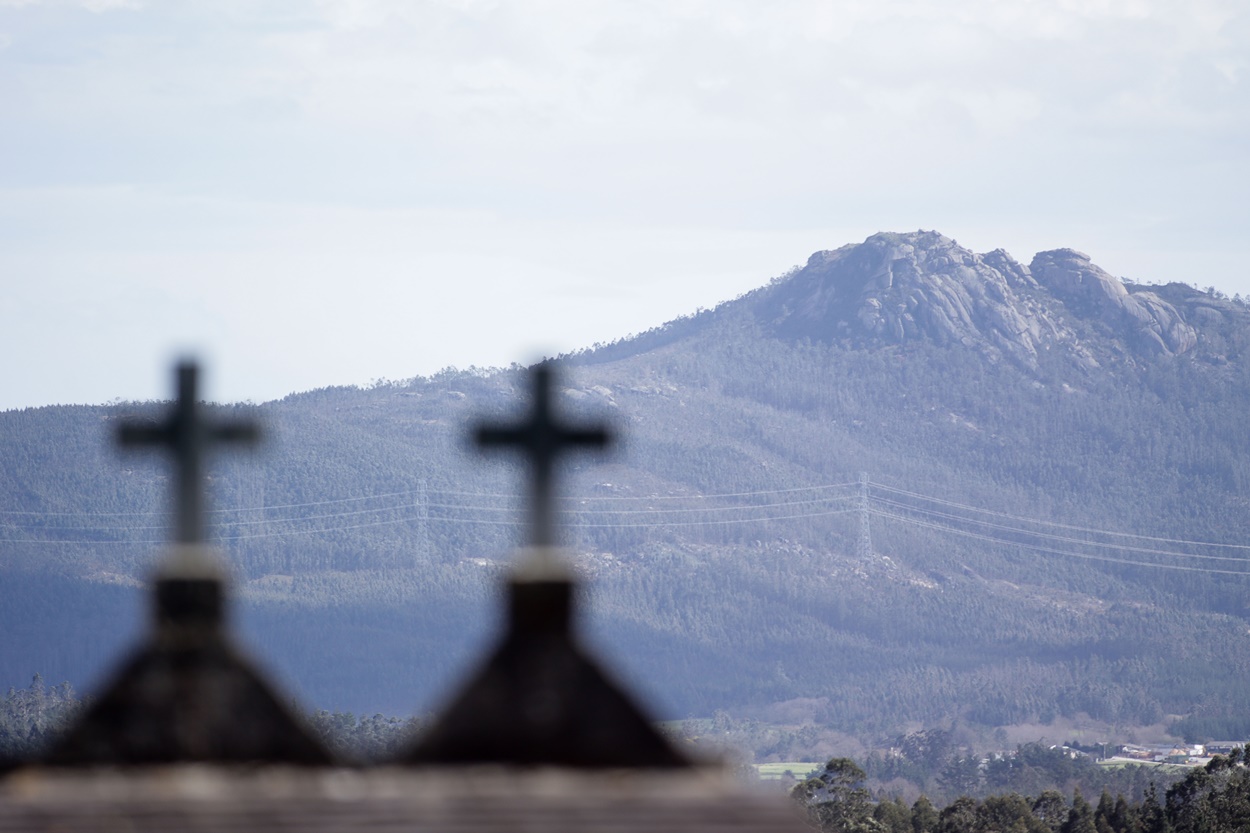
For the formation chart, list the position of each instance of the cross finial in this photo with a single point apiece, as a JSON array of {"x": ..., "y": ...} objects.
[
  {"x": 187, "y": 436},
  {"x": 542, "y": 437}
]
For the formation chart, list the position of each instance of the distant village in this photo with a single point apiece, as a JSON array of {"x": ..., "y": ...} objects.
[
  {"x": 1108, "y": 754},
  {"x": 1198, "y": 754}
]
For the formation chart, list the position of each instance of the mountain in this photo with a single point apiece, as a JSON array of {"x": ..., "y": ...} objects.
[
  {"x": 1051, "y": 527},
  {"x": 894, "y": 289}
]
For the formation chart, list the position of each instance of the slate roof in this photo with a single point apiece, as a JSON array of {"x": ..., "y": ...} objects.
[
  {"x": 208, "y": 799},
  {"x": 540, "y": 698}
]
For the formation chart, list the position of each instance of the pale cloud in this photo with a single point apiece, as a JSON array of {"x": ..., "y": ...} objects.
[
  {"x": 442, "y": 67},
  {"x": 1000, "y": 111},
  {"x": 89, "y": 5},
  {"x": 110, "y": 5}
]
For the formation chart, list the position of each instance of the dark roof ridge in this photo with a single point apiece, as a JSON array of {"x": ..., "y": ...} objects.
[
  {"x": 187, "y": 694},
  {"x": 540, "y": 699}
]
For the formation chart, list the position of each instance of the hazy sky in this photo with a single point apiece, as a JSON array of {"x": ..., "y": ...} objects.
[{"x": 315, "y": 193}]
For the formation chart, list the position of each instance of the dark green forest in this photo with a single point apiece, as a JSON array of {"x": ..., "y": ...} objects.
[
  {"x": 31, "y": 718},
  {"x": 1210, "y": 799},
  {"x": 1058, "y": 530}
]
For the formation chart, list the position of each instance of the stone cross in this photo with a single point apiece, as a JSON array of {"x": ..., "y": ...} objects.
[
  {"x": 187, "y": 435},
  {"x": 542, "y": 438}
]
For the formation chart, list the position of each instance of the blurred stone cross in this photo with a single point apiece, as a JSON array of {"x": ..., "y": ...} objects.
[
  {"x": 188, "y": 435},
  {"x": 187, "y": 695},
  {"x": 541, "y": 699},
  {"x": 542, "y": 438}
]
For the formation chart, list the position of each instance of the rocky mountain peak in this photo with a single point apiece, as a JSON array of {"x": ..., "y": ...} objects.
[
  {"x": 896, "y": 288},
  {"x": 905, "y": 287},
  {"x": 1147, "y": 322}
]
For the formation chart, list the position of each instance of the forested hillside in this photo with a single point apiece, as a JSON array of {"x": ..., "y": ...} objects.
[{"x": 1056, "y": 504}]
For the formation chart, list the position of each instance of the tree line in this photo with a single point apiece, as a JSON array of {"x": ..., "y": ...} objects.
[
  {"x": 1210, "y": 799},
  {"x": 32, "y": 718}
]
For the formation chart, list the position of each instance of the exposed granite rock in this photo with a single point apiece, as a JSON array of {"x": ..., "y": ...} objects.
[
  {"x": 897, "y": 288},
  {"x": 1147, "y": 322},
  {"x": 905, "y": 287},
  {"x": 1016, "y": 273}
]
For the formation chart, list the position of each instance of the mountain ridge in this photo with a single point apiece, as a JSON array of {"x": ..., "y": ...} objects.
[
  {"x": 1032, "y": 391},
  {"x": 895, "y": 288}
]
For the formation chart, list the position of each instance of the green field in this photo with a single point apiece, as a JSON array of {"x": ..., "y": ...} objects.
[
  {"x": 774, "y": 772},
  {"x": 1120, "y": 763}
]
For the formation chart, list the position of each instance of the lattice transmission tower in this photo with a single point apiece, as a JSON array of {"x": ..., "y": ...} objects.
[
  {"x": 423, "y": 547},
  {"x": 863, "y": 545}
]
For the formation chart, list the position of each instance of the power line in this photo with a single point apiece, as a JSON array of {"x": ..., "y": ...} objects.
[
  {"x": 588, "y": 512},
  {"x": 210, "y": 512},
  {"x": 220, "y": 524},
  {"x": 662, "y": 524},
  {"x": 463, "y": 520},
  {"x": 1056, "y": 524},
  {"x": 1053, "y": 537},
  {"x": 731, "y": 508},
  {"x": 755, "y": 493},
  {"x": 1052, "y": 551},
  {"x": 453, "y": 507},
  {"x": 417, "y": 492}
]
